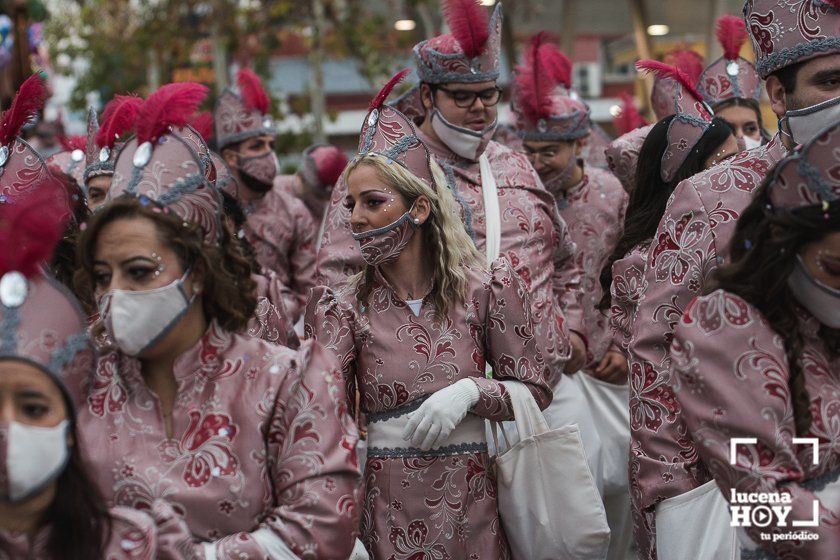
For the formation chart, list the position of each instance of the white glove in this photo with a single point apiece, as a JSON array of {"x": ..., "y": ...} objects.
[
  {"x": 438, "y": 416},
  {"x": 359, "y": 552}
]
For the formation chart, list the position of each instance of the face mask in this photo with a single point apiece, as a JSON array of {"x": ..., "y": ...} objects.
[
  {"x": 556, "y": 184},
  {"x": 822, "y": 301},
  {"x": 467, "y": 143},
  {"x": 747, "y": 143},
  {"x": 137, "y": 320},
  {"x": 383, "y": 245},
  {"x": 33, "y": 457},
  {"x": 806, "y": 124},
  {"x": 258, "y": 172}
]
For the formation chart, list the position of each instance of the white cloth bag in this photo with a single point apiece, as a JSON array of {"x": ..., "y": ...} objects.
[
  {"x": 695, "y": 526},
  {"x": 548, "y": 503},
  {"x": 492, "y": 213}
]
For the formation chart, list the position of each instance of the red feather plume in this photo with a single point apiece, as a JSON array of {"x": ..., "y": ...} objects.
[
  {"x": 731, "y": 32},
  {"x": 203, "y": 124},
  {"x": 70, "y": 143},
  {"x": 170, "y": 106},
  {"x": 533, "y": 83},
  {"x": 29, "y": 100},
  {"x": 386, "y": 90},
  {"x": 662, "y": 71},
  {"x": 331, "y": 166},
  {"x": 629, "y": 118},
  {"x": 690, "y": 62},
  {"x": 30, "y": 227},
  {"x": 833, "y": 4},
  {"x": 468, "y": 21},
  {"x": 252, "y": 91},
  {"x": 118, "y": 119}
]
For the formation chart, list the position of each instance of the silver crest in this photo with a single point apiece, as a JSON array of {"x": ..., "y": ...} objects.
[
  {"x": 373, "y": 117},
  {"x": 77, "y": 155},
  {"x": 13, "y": 289},
  {"x": 142, "y": 155},
  {"x": 4, "y": 155},
  {"x": 268, "y": 123},
  {"x": 542, "y": 125},
  {"x": 104, "y": 154},
  {"x": 732, "y": 68}
]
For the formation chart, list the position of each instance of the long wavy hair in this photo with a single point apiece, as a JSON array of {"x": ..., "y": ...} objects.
[
  {"x": 453, "y": 252},
  {"x": 762, "y": 256},
  {"x": 650, "y": 196},
  {"x": 229, "y": 293}
]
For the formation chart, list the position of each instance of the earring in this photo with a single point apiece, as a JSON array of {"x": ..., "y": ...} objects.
[{"x": 417, "y": 221}]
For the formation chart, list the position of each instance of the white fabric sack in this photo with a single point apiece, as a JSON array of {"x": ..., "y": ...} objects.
[
  {"x": 609, "y": 405},
  {"x": 695, "y": 526},
  {"x": 492, "y": 213},
  {"x": 548, "y": 503}
]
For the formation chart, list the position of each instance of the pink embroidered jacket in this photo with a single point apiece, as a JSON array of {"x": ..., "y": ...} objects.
[
  {"x": 533, "y": 237},
  {"x": 263, "y": 449},
  {"x": 689, "y": 244},
  {"x": 271, "y": 321},
  {"x": 731, "y": 377},
  {"x": 594, "y": 213},
  {"x": 627, "y": 288},
  {"x": 281, "y": 230},
  {"x": 158, "y": 534}
]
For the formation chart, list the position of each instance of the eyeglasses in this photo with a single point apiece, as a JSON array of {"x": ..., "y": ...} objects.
[{"x": 465, "y": 99}]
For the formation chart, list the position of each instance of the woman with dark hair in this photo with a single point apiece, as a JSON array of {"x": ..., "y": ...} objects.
[
  {"x": 758, "y": 358},
  {"x": 50, "y": 508},
  {"x": 731, "y": 86},
  {"x": 250, "y": 441},
  {"x": 623, "y": 270}
]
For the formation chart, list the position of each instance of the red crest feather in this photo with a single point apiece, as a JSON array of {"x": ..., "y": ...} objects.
[
  {"x": 662, "y": 71},
  {"x": 171, "y": 105},
  {"x": 118, "y": 119},
  {"x": 331, "y": 166},
  {"x": 30, "y": 227},
  {"x": 543, "y": 68},
  {"x": 690, "y": 62},
  {"x": 203, "y": 124},
  {"x": 29, "y": 100},
  {"x": 386, "y": 90},
  {"x": 70, "y": 143},
  {"x": 731, "y": 32},
  {"x": 629, "y": 118},
  {"x": 468, "y": 21},
  {"x": 251, "y": 90}
]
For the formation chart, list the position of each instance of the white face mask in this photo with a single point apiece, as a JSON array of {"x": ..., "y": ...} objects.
[
  {"x": 35, "y": 456},
  {"x": 467, "y": 143},
  {"x": 138, "y": 320},
  {"x": 822, "y": 301},
  {"x": 806, "y": 124},
  {"x": 750, "y": 143}
]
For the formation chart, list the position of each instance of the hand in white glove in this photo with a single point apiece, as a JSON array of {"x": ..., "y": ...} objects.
[{"x": 438, "y": 416}]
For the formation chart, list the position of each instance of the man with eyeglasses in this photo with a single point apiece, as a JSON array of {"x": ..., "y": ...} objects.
[{"x": 505, "y": 208}]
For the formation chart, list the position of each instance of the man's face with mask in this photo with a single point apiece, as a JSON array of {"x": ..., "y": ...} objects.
[
  {"x": 554, "y": 160},
  {"x": 253, "y": 163},
  {"x": 472, "y": 106},
  {"x": 818, "y": 80}
]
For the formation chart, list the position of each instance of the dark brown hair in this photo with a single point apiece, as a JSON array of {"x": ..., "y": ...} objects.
[
  {"x": 762, "y": 256},
  {"x": 229, "y": 291}
]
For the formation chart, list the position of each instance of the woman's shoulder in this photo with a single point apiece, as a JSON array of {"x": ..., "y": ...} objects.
[{"x": 721, "y": 312}]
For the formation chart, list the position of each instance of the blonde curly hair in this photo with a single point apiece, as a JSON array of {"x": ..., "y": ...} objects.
[{"x": 453, "y": 251}]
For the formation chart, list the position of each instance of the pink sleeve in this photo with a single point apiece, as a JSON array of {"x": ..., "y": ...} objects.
[
  {"x": 338, "y": 254},
  {"x": 271, "y": 322},
  {"x": 302, "y": 257},
  {"x": 566, "y": 281},
  {"x": 314, "y": 469},
  {"x": 326, "y": 322},
  {"x": 731, "y": 378},
  {"x": 511, "y": 347}
]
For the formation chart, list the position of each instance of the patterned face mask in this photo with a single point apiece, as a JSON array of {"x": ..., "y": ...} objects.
[
  {"x": 383, "y": 245},
  {"x": 258, "y": 172}
]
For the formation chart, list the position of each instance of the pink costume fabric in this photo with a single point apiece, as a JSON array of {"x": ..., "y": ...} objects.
[
  {"x": 534, "y": 238},
  {"x": 626, "y": 290},
  {"x": 271, "y": 321},
  {"x": 262, "y": 448},
  {"x": 440, "y": 503},
  {"x": 691, "y": 241},
  {"x": 158, "y": 534},
  {"x": 623, "y": 153},
  {"x": 725, "y": 354},
  {"x": 594, "y": 213},
  {"x": 282, "y": 232}
]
